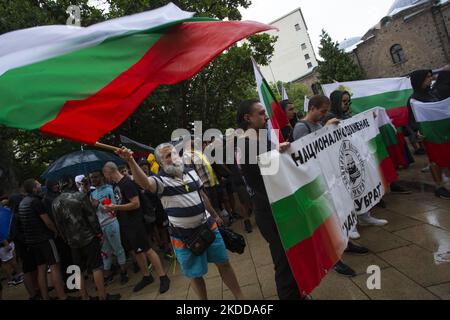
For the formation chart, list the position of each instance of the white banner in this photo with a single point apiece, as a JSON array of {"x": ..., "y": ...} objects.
[{"x": 340, "y": 155}]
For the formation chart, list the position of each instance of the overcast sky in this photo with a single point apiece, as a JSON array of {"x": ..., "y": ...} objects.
[{"x": 341, "y": 18}]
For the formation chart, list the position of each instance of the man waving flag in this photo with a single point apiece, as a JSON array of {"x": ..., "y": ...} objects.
[{"x": 54, "y": 78}]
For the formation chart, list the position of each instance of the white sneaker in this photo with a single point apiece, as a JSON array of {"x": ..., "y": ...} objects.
[
  {"x": 354, "y": 235},
  {"x": 368, "y": 220}
]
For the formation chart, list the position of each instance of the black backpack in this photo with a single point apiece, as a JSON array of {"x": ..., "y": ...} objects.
[{"x": 148, "y": 210}]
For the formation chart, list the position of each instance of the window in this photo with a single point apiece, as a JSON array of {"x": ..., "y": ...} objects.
[
  {"x": 309, "y": 65},
  {"x": 397, "y": 54},
  {"x": 307, "y": 57},
  {"x": 297, "y": 27},
  {"x": 303, "y": 46}
]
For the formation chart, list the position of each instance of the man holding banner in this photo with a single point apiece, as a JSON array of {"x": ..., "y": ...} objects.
[{"x": 325, "y": 179}]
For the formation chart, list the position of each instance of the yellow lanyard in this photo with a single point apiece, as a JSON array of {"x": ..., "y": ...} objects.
[{"x": 208, "y": 167}]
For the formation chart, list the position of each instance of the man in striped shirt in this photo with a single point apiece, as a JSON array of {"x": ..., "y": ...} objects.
[{"x": 187, "y": 208}]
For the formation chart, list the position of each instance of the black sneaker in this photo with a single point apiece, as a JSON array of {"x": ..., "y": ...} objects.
[
  {"x": 344, "y": 269},
  {"x": 113, "y": 296},
  {"x": 248, "y": 226},
  {"x": 355, "y": 249},
  {"x": 143, "y": 283},
  {"x": 107, "y": 280},
  {"x": 396, "y": 188},
  {"x": 123, "y": 278},
  {"x": 164, "y": 284},
  {"x": 442, "y": 193}
]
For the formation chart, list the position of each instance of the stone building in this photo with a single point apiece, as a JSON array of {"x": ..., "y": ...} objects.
[{"x": 413, "y": 35}]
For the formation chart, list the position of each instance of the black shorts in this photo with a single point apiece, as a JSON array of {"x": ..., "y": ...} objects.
[
  {"x": 134, "y": 236},
  {"x": 88, "y": 258},
  {"x": 26, "y": 256},
  {"x": 45, "y": 253}
]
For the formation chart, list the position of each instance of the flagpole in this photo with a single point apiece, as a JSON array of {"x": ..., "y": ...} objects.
[
  {"x": 273, "y": 76},
  {"x": 106, "y": 147},
  {"x": 276, "y": 86}
]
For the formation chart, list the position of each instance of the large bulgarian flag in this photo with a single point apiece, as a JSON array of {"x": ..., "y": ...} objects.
[
  {"x": 277, "y": 117},
  {"x": 80, "y": 83},
  {"x": 392, "y": 94},
  {"x": 434, "y": 124}
]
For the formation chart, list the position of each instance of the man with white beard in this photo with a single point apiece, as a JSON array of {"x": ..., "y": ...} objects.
[{"x": 189, "y": 210}]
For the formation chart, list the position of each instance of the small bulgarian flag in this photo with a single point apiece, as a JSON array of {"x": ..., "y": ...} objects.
[
  {"x": 81, "y": 82},
  {"x": 434, "y": 123},
  {"x": 392, "y": 94},
  {"x": 277, "y": 117},
  {"x": 380, "y": 149}
]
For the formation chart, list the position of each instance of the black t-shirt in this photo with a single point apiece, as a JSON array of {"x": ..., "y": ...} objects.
[
  {"x": 124, "y": 191},
  {"x": 252, "y": 174},
  {"x": 34, "y": 229}
]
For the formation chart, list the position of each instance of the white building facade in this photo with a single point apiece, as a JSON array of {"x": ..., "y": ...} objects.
[{"x": 294, "y": 56}]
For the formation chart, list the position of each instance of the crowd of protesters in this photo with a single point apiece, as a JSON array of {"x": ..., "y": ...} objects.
[{"x": 138, "y": 215}]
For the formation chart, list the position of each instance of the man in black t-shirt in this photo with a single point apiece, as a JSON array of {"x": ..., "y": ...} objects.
[
  {"x": 252, "y": 115},
  {"x": 39, "y": 232},
  {"x": 132, "y": 228}
]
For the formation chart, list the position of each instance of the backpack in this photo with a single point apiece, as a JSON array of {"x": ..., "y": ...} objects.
[{"x": 148, "y": 210}]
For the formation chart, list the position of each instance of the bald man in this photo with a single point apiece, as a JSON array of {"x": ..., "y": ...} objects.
[{"x": 131, "y": 220}]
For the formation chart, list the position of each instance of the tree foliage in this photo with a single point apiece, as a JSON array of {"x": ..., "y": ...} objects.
[{"x": 336, "y": 65}]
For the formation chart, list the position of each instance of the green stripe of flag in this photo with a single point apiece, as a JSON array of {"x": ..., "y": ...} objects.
[
  {"x": 388, "y": 134},
  {"x": 267, "y": 96},
  {"x": 378, "y": 148},
  {"x": 387, "y": 100},
  {"x": 301, "y": 213},
  {"x": 437, "y": 132}
]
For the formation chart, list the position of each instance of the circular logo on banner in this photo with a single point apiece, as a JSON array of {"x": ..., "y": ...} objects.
[{"x": 352, "y": 168}]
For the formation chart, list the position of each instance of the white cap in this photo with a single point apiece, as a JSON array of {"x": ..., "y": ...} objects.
[{"x": 79, "y": 178}]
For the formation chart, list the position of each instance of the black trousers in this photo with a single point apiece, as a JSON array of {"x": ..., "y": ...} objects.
[{"x": 287, "y": 288}]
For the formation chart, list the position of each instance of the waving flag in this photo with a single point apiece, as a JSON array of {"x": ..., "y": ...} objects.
[
  {"x": 434, "y": 122},
  {"x": 80, "y": 83},
  {"x": 277, "y": 117}
]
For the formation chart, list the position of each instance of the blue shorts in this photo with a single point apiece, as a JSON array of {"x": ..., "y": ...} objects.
[{"x": 197, "y": 266}]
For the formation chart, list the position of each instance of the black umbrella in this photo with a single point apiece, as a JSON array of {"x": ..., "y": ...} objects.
[{"x": 80, "y": 162}]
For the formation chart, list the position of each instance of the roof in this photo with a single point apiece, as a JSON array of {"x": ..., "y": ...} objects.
[
  {"x": 288, "y": 14},
  {"x": 400, "y": 5},
  {"x": 350, "y": 44}
]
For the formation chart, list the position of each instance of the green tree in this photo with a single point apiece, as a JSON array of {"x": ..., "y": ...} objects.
[
  {"x": 296, "y": 92},
  {"x": 336, "y": 65}
]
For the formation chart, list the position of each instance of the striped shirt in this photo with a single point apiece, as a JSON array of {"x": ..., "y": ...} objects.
[{"x": 181, "y": 199}]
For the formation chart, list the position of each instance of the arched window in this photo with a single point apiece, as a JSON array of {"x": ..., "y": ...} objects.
[{"x": 397, "y": 54}]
